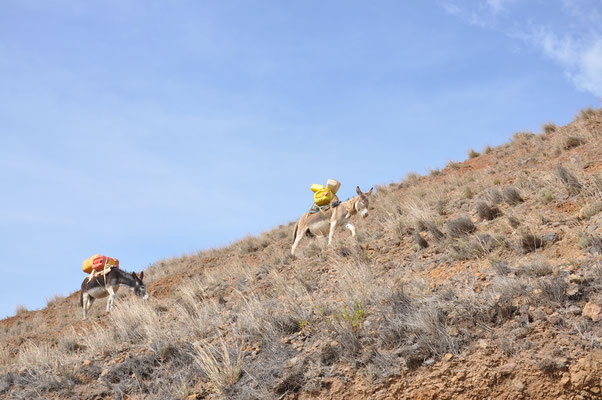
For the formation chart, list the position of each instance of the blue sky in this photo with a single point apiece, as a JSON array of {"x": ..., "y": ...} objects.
[{"x": 146, "y": 129}]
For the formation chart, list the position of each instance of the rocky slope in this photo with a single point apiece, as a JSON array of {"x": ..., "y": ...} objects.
[{"x": 481, "y": 280}]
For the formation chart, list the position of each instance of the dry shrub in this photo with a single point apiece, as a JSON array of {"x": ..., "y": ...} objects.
[
  {"x": 472, "y": 154},
  {"x": 432, "y": 228},
  {"x": 486, "y": 212},
  {"x": 530, "y": 242},
  {"x": 222, "y": 365},
  {"x": 549, "y": 128},
  {"x": 553, "y": 288},
  {"x": 54, "y": 300},
  {"x": 586, "y": 113},
  {"x": 494, "y": 195},
  {"x": 536, "y": 268},
  {"x": 487, "y": 149},
  {"x": 420, "y": 241},
  {"x": 568, "y": 179},
  {"x": 460, "y": 226},
  {"x": 21, "y": 310},
  {"x": 513, "y": 221},
  {"x": 251, "y": 244},
  {"x": 589, "y": 210},
  {"x": 571, "y": 142},
  {"x": 135, "y": 320},
  {"x": 411, "y": 179},
  {"x": 453, "y": 165},
  {"x": 512, "y": 196}
]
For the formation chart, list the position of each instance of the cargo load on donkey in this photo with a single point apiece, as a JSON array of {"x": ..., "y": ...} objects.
[
  {"x": 98, "y": 264},
  {"x": 325, "y": 196}
]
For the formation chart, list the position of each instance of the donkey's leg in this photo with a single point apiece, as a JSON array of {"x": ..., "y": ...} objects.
[
  {"x": 300, "y": 235},
  {"x": 333, "y": 226},
  {"x": 87, "y": 303},
  {"x": 350, "y": 227},
  {"x": 111, "y": 299}
]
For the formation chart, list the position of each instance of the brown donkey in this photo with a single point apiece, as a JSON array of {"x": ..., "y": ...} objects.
[{"x": 325, "y": 222}]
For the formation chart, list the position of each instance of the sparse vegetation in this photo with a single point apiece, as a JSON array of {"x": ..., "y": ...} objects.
[
  {"x": 460, "y": 226},
  {"x": 251, "y": 321},
  {"x": 20, "y": 310},
  {"x": 473, "y": 154},
  {"x": 549, "y": 128}
]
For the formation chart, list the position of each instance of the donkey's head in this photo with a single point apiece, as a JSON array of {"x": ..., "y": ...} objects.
[
  {"x": 139, "y": 286},
  {"x": 362, "y": 204}
]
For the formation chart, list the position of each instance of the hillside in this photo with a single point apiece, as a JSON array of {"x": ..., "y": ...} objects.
[{"x": 480, "y": 280}]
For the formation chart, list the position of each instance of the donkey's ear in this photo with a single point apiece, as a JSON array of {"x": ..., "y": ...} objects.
[
  {"x": 141, "y": 276},
  {"x": 369, "y": 192},
  {"x": 134, "y": 275},
  {"x": 358, "y": 190}
]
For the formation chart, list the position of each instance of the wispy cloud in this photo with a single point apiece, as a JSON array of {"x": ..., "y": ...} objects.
[{"x": 570, "y": 35}]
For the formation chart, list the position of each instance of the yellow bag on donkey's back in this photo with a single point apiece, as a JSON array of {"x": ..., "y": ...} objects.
[{"x": 322, "y": 195}]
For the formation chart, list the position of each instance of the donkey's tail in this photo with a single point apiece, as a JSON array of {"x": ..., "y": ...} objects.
[{"x": 295, "y": 231}]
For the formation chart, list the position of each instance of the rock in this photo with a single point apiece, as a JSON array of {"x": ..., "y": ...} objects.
[
  {"x": 87, "y": 363},
  {"x": 592, "y": 311},
  {"x": 575, "y": 310},
  {"x": 507, "y": 369},
  {"x": 518, "y": 385},
  {"x": 104, "y": 372},
  {"x": 447, "y": 357},
  {"x": 429, "y": 362},
  {"x": 578, "y": 378},
  {"x": 549, "y": 238},
  {"x": 565, "y": 381}
]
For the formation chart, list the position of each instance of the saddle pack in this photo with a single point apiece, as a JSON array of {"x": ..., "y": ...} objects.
[
  {"x": 98, "y": 263},
  {"x": 325, "y": 196}
]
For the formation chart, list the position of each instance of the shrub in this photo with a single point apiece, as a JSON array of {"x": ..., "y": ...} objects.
[
  {"x": 487, "y": 149},
  {"x": 21, "y": 310},
  {"x": 568, "y": 179},
  {"x": 460, "y": 226},
  {"x": 432, "y": 228},
  {"x": 512, "y": 195},
  {"x": 472, "y": 154},
  {"x": 553, "y": 288},
  {"x": 486, "y": 212},
  {"x": 549, "y": 128},
  {"x": 536, "y": 268},
  {"x": 530, "y": 242},
  {"x": 586, "y": 113},
  {"x": 54, "y": 300},
  {"x": 411, "y": 179},
  {"x": 422, "y": 243},
  {"x": 513, "y": 221},
  {"x": 222, "y": 366},
  {"x": 495, "y": 195},
  {"x": 571, "y": 142}
]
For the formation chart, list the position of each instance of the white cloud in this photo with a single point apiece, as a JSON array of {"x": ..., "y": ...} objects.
[
  {"x": 580, "y": 58},
  {"x": 573, "y": 40}
]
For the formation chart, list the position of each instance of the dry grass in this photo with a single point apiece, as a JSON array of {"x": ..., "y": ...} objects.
[
  {"x": 487, "y": 212},
  {"x": 549, "y": 128},
  {"x": 222, "y": 365},
  {"x": 473, "y": 154},
  {"x": 460, "y": 226},
  {"x": 21, "y": 310}
]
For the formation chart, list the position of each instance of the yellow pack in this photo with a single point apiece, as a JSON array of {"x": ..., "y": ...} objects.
[{"x": 322, "y": 195}]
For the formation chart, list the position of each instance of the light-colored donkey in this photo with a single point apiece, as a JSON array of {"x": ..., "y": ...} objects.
[{"x": 325, "y": 222}]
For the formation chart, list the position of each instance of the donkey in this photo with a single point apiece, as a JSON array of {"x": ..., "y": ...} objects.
[
  {"x": 325, "y": 222},
  {"x": 107, "y": 285}
]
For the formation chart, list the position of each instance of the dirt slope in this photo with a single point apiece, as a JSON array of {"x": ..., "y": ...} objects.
[{"x": 482, "y": 280}]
